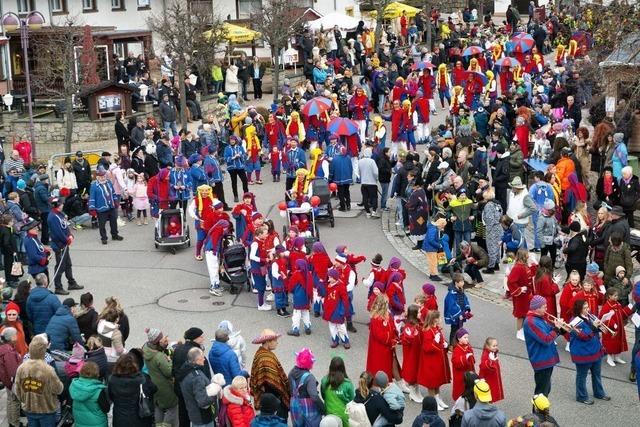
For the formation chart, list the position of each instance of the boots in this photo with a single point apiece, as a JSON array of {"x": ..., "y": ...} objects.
[
  {"x": 618, "y": 359},
  {"x": 520, "y": 334},
  {"x": 350, "y": 327},
  {"x": 610, "y": 361},
  {"x": 345, "y": 343},
  {"x": 440, "y": 402},
  {"x": 415, "y": 395},
  {"x": 334, "y": 342}
]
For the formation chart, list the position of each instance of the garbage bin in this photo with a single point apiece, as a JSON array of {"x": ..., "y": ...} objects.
[{"x": 634, "y": 163}]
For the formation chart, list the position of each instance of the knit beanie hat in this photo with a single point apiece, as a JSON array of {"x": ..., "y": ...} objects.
[
  {"x": 377, "y": 259},
  {"x": 8, "y": 333},
  {"x": 428, "y": 289},
  {"x": 12, "y": 306},
  {"x": 330, "y": 421},
  {"x": 193, "y": 333},
  {"x": 340, "y": 248},
  {"x": 575, "y": 227},
  {"x": 334, "y": 274},
  {"x": 461, "y": 332},
  {"x": 269, "y": 404},
  {"x": 620, "y": 269},
  {"x": 593, "y": 268},
  {"x": 38, "y": 348},
  {"x": 154, "y": 335},
  {"x": 381, "y": 379},
  {"x": 536, "y": 302},
  {"x": 21, "y": 184},
  {"x": 305, "y": 359},
  {"x": 394, "y": 262}
]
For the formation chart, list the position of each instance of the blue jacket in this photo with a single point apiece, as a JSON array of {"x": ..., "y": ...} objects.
[
  {"x": 101, "y": 196},
  {"x": 540, "y": 336},
  {"x": 41, "y": 195},
  {"x": 198, "y": 177},
  {"x": 268, "y": 421},
  {"x": 58, "y": 229},
  {"x": 431, "y": 241},
  {"x": 585, "y": 345},
  {"x": 223, "y": 360},
  {"x": 164, "y": 154},
  {"x": 179, "y": 177},
  {"x": 35, "y": 254},
  {"x": 452, "y": 310},
  {"x": 238, "y": 162},
  {"x": 541, "y": 191},
  {"x": 42, "y": 304},
  {"x": 63, "y": 330},
  {"x": 209, "y": 139},
  {"x": 295, "y": 160},
  {"x": 341, "y": 170},
  {"x": 212, "y": 170}
]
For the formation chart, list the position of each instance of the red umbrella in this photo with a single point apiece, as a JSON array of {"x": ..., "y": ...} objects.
[
  {"x": 317, "y": 105},
  {"x": 472, "y": 50},
  {"x": 520, "y": 42}
]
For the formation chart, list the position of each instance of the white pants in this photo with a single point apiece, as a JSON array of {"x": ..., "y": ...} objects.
[
  {"x": 396, "y": 147},
  {"x": 362, "y": 129},
  {"x": 432, "y": 105},
  {"x": 422, "y": 131},
  {"x": 300, "y": 314},
  {"x": 356, "y": 171},
  {"x": 213, "y": 267},
  {"x": 338, "y": 330}
]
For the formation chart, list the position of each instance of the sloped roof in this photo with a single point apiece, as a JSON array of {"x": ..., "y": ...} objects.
[{"x": 627, "y": 54}]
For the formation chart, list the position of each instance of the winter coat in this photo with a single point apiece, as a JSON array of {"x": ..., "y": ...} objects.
[
  {"x": 99, "y": 357},
  {"x": 585, "y": 347},
  {"x": 223, "y": 360},
  {"x": 368, "y": 170},
  {"x": 461, "y": 363},
  {"x": 37, "y": 255},
  {"x": 411, "y": 347},
  {"x": 178, "y": 361},
  {"x": 239, "y": 410},
  {"x": 167, "y": 112},
  {"x": 452, "y": 308},
  {"x": 9, "y": 362},
  {"x": 58, "y": 229},
  {"x": 484, "y": 415},
  {"x": 341, "y": 170},
  {"x": 101, "y": 196},
  {"x": 614, "y": 258},
  {"x": 429, "y": 418},
  {"x": 159, "y": 366},
  {"x": 42, "y": 304},
  {"x": 501, "y": 172},
  {"x": 83, "y": 172},
  {"x": 540, "y": 338},
  {"x": 39, "y": 396},
  {"x": 417, "y": 208},
  {"x": 490, "y": 370},
  {"x": 41, "y": 195},
  {"x": 384, "y": 169},
  {"x": 87, "y": 319},
  {"x": 124, "y": 392},
  {"x": 432, "y": 239},
  {"x": 336, "y": 400},
  {"x": 193, "y": 386},
  {"x": 89, "y": 402},
  {"x": 629, "y": 193},
  {"x": 381, "y": 348},
  {"x": 112, "y": 339},
  {"x": 547, "y": 229},
  {"x": 63, "y": 330},
  {"x": 268, "y": 421}
]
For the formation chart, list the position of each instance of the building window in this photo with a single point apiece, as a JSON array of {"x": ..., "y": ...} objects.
[
  {"x": 117, "y": 4},
  {"x": 25, "y": 6},
  {"x": 248, "y": 7},
  {"x": 89, "y": 6},
  {"x": 58, "y": 6},
  {"x": 144, "y": 4}
]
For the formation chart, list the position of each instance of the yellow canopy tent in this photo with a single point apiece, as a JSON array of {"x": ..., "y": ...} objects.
[
  {"x": 236, "y": 34},
  {"x": 394, "y": 10}
]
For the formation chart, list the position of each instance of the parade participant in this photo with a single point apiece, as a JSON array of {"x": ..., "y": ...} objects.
[
  {"x": 158, "y": 192},
  {"x": 427, "y": 301},
  {"x": 491, "y": 89},
  {"x": 275, "y": 132},
  {"x": 341, "y": 173},
  {"x": 320, "y": 264},
  {"x": 462, "y": 360},
  {"x": 421, "y": 108},
  {"x": 300, "y": 287},
  {"x": 259, "y": 259},
  {"x": 397, "y": 300},
  {"x": 398, "y": 142},
  {"x": 443, "y": 83},
  {"x": 102, "y": 202},
  {"x": 319, "y": 167},
  {"x": 586, "y": 352},
  {"x": 489, "y": 369},
  {"x": 349, "y": 278},
  {"x": 541, "y": 347},
  {"x": 410, "y": 340},
  {"x": 257, "y": 221},
  {"x": 254, "y": 148},
  {"x": 61, "y": 240},
  {"x": 407, "y": 132},
  {"x": 456, "y": 306},
  {"x": 295, "y": 159},
  {"x": 569, "y": 291},
  {"x": 379, "y": 135},
  {"x": 295, "y": 128},
  {"x": 520, "y": 285},
  {"x": 235, "y": 157},
  {"x": 212, "y": 250},
  {"x": 458, "y": 74},
  {"x": 434, "y": 370},
  {"x": 589, "y": 294},
  {"x": 275, "y": 158},
  {"x": 382, "y": 338},
  {"x": 545, "y": 285},
  {"x": 243, "y": 212},
  {"x": 334, "y": 307},
  {"x": 213, "y": 173},
  {"x": 202, "y": 211},
  {"x": 300, "y": 186},
  {"x": 278, "y": 279},
  {"x": 359, "y": 109},
  {"x": 267, "y": 375},
  {"x": 457, "y": 100},
  {"x": 616, "y": 343},
  {"x": 37, "y": 254},
  {"x": 377, "y": 273},
  {"x": 472, "y": 91}
]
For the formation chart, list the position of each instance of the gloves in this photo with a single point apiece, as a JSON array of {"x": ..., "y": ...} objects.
[
  {"x": 468, "y": 315},
  {"x": 437, "y": 338},
  {"x": 445, "y": 344},
  {"x": 93, "y": 213},
  {"x": 69, "y": 239},
  {"x": 43, "y": 262},
  {"x": 493, "y": 356},
  {"x": 523, "y": 289}
]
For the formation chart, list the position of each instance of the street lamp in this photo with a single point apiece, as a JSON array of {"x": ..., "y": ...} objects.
[{"x": 11, "y": 22}]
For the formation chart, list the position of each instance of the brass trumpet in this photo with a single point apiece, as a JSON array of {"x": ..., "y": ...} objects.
[
  {"x": 602, "y": 326},
  {"x": 563, "y": 325}
]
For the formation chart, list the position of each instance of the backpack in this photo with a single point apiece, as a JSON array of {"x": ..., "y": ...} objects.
[{"x": 357, "y": 413}]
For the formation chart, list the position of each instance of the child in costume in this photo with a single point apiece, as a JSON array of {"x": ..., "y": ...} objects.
[
  {"x": 254, "y": 149},
  {"x": 490, "y": 369},
  {"x": 276, "y": 163},
  {"x": 395, "y": 292},
  {"x": 589, "y": 294},
  {"x": 212, "y": 248},
  {"x": 174, "y": 228},
  {"x": 258, "y": 260},
  {"x": 334, "y": 306},
  {"x": 377, "y": 274},
  {"x": 201, "y": 210},
  {"x": 300, "y": 287},
  {"x": 456, "y": 307},
  {"x": 462, "y": 360},
  {"x": 348, "y": 277},
  {"x": 410, "y": 339},
  {"x": 427, "y": 301},
  {"x": 279, "y": 277},
  {"x": 140, "y": 199},
  {"x": 242, "y": 213},
  {"x": 320, "y": 265},
  {"x": 616, "y": 344}
]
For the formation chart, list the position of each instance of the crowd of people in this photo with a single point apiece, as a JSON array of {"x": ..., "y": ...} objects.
[{"x": 513, "y": 171}]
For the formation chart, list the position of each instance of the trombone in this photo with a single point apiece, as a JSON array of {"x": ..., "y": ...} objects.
[{"x": 604, "y": 328}]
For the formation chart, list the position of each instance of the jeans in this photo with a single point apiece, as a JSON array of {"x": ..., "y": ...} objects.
[
  {"x": 542, "y": 379},
  {"x": 172, "y": 126},
  {"x": 244, "y": 83},
  {"x": 381, "y": 99},
  {"x": 44, "y": 228},
  {"x": 523, "y": 229},
  {"x": 112, "y": 216},
  {"x": 582, "y": 370},
  {"x": 459, "y": 237},
  {"x": 217, "y": 86},
  {"x": 202, "y": 425},
  {"x": 194, "y": 107},
  {"x": 166, "y": 416},
  {"x": 41, "y": 420},
  {"x": 536, "y": 239},
  {"x": 384, "y": 194},
  {"x": 84, "y": 219}
]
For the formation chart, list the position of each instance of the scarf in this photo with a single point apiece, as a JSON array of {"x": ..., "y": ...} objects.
[
  {"x": 267, "y": 375},
  {"x": 607, "y": 185}
]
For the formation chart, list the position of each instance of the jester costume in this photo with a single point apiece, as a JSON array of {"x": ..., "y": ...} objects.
[
  {"x": 443, "y": 83},
  {"x": 254, "y": 149}
]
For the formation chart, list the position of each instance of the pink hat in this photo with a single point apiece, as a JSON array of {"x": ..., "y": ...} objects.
[
  {"x": 428, "y": 289},
  {"x": 305, "y": 359}
]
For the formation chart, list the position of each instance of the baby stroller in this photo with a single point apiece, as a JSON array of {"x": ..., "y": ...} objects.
[
  {"x": 320, "y": 188},
  {"x": 234, "y": 265},
  {"x": 171, "y": 231},
  {"x": 312, "y": 234}
]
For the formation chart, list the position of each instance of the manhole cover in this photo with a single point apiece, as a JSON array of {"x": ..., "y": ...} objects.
[{"x": 197, "y": 300}]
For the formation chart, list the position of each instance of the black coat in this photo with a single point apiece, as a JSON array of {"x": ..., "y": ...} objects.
[
  {"x": 122, "y": 134},
  {"x": 376, "y": 405},
  {"x": 577, "y": 249},
  {"x": 83, "y": 172},
  {"x": 99, "y": 357},
  {"x": 124, "y": 392},
  {"x": 28, "y": 203},
  {"x": 151, "y": 165},
  {"x": 384, "y": 169},
  {"x": 179, "y": 359},
  {"x": 7, "y": 242},
  {"x": 501, "y": 172},
  {"x": 629, "y": 193},
  {"x": 88, "y": 323}
]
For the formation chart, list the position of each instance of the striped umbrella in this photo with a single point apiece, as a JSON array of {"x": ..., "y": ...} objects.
[
  {"x": 315, "y": 106},
  {"x": 472, "y": 50},
  {"x": 507, "y": 61},
  {"x": 422, "y": 65},
  {"x": 476, "y": 75},
  {"x": 520, "y": 43},
  {"x": 342, "y": 127}
]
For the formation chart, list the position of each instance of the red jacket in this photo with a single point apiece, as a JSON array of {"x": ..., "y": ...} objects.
[
  {"x": 9, "y": 362},
  {"x": 428, "y": 83},
  {"x": 566, "y": 301},
  {"x": 462, "y": 360},
  {"x": 490, "y": 371},
  {"x": 158, "y": 189},
  {"x": 321, "y": 263},
  {"x": 335, "y": 295},
  {"x": 434, "y": 369},
  {"x": 430, "y": 303},
  {"x": 382, "y": 342},
  {"x": 410, "y": 339},
  {"x": 547, "y": 288},
  {"x": 396, "y": 123},
  {"x": 594, "y": 299},
  {"x": 520, "y": 276},
  {"x": 615, "y": 344},
  {"x": 239, "y": 410}
]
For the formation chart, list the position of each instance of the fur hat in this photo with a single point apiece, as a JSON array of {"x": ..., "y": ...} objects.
[{"x": 305, "y": 359}]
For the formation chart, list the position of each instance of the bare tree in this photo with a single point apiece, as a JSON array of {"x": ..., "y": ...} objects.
[
  {"x": 276, "y": 20},
  {"x": 193, "y": 35},
  {"x": 58, "y": 71}
]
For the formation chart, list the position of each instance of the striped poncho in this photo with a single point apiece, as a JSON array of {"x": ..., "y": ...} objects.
[{"x": 267, "y": 376}]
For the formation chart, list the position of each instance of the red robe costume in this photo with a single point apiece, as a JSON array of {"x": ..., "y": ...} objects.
[
  {"x": 566, "y": 301},
  {"x": 24, "y": 150},
  {"x": 410, "y": 339},
  {"x": 381, "y": 349},
  {"x": 359, "y": 105},
  {"x": 158, "y": 188},
  {"x": 248, "y": 208},
  {"x": 593, "y": 298},
  {"x": 506, "y": 79},
  {"x": 396, "y": 123},
  {"x": 275, "y": 134},
  {"x": 520, "y": 275},
  {"x": 205, "y": 213},
  {"x": 336, "y": 294},
  {"x": 427, "y": 82},
  {"x": 615, "y": 344},
  {"x": 490, "y": 371},
  {"x": 522, "y": 135},
  {"x": 457, "y": 74},
  {"x": 430, "y": 303},
  {"x": 547, "y": 288},
  {"x": 352, "y": 143},
  {"x": 471, "y": 88},
  {"x": 397, "y": 300},
  {"x": 398, "y": 92},
  {"x": 421, "y": 107},
  {"x": 320, "y": 264},
  {"x": 295, "y": 255},
  {"x": 461, "y": 362},
  {"x": 434, "y": 369}
]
